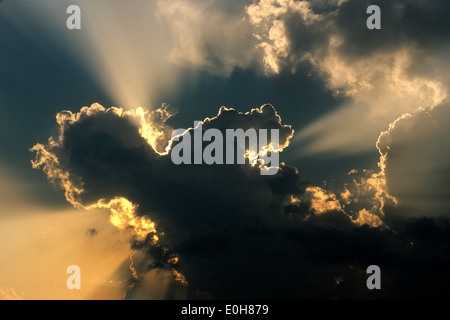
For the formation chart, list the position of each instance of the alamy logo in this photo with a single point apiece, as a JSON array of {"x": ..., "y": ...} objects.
[
  {"x": 374, "y": 281},
  {"x": 74, "y": 20},
  {"x": 74, "y": 281},
  {"x": 237, "y": 147}
]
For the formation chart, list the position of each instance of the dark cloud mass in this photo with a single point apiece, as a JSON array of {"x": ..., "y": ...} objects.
[{"x": 236, "y": 233}]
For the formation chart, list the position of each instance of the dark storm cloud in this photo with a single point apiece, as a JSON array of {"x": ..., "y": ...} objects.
[
  {"x": 235, "y": 233},
  {"x": 99, "y": 143}
]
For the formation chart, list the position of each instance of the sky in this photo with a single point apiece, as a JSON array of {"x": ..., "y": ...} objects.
[{"x": 85, "y": 164}]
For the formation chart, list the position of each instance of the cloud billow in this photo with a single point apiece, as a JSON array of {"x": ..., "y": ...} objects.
[
  {"x": 415, "y": 157},
  {"x": 383, "y": 73}
]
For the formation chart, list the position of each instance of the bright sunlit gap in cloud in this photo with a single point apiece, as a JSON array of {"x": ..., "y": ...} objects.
[{"x": 48, "y": 240}]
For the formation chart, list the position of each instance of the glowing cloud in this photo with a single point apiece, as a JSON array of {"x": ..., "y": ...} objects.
[
  {"x": 365, "y": 217},
  {"x": 123, "y": 217},
  {"x": 122, "y": 210},
  {"x": 323, "y": 200},
  {"x": 376, "y": 77}
]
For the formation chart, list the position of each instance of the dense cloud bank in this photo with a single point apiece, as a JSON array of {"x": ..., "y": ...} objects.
[{"x": 228, "y": 232}]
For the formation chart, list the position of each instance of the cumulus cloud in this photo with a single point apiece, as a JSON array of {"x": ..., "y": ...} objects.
[
  {"x": 310, "y": 32},
  {"x": 225, "y": 231},
  {"x": 210, "y": 35},
  {"x": 376, "y": 70},
  {"x": 415, "y": 157},
  {"x": 411, "y": 180}
]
